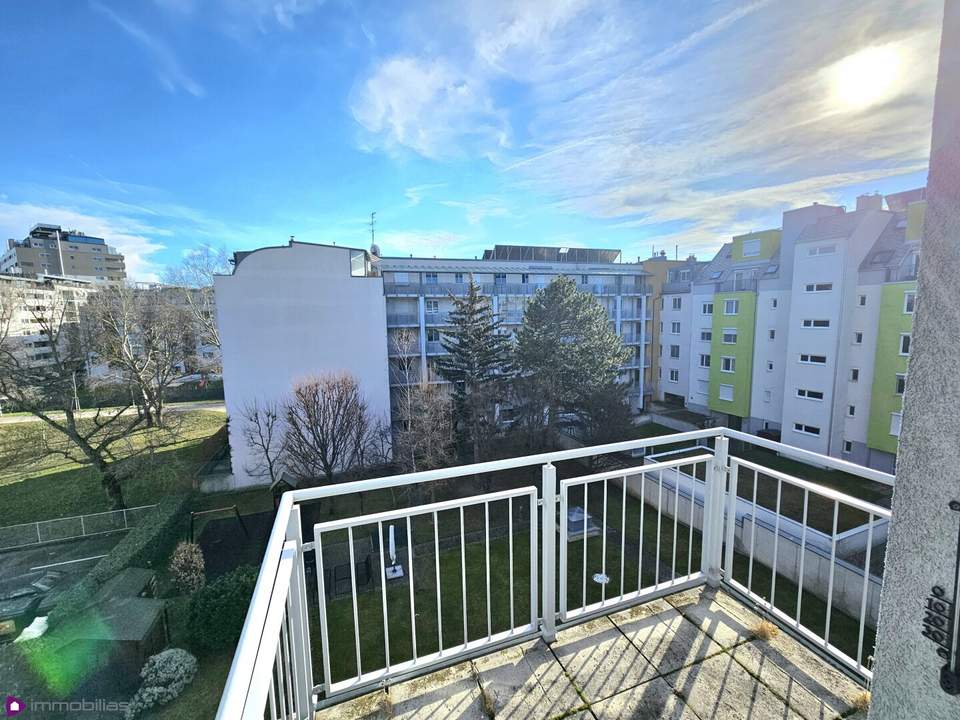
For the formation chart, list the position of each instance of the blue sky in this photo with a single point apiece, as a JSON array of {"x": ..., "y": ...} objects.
[{"x": 166, "y": 124}]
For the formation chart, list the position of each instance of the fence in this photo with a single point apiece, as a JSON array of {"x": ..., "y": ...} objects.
[{"x": 70, "y": 528}]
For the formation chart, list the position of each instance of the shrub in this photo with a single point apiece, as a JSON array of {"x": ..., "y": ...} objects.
[
  {"x": 165, "y": 676},
  {"x": 187, "y": 568},
  {"x": 217, "y": 611}
]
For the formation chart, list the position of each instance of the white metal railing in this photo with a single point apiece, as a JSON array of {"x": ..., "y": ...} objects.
[
  {"x": 71, "y": 528},
  {"x": 682, "y": 517}
]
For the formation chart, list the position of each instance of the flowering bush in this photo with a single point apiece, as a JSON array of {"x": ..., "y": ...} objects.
[
  {"x": 165, "y": 676},
  {"x": 187, "y": 567}
]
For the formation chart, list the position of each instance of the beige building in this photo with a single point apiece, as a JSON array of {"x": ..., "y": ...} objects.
[{"x": 49, "y": 250}]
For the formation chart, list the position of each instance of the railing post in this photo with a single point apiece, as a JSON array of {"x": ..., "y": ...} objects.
[
  {"x": 299, "y": 621},
  {"x": 716, "y": 481},
  {"x": 549, "y": 592}
]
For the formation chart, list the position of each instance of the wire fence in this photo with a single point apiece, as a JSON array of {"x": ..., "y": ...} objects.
[{"x": 69, "y": 528}]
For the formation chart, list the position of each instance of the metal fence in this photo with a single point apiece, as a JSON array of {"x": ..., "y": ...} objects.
[{"x": 70, "y": 528}]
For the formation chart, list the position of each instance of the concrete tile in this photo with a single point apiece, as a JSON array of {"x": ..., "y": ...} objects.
[
  {"x": 600, "y": 660},
  {"x": 667, "y": 639},
  {"x": 812, "y": 686},
  {"x": 721, "y": 689},
  {"x": 654, "y": 700},
  {"x": 526, "y": 681},
  {"x": 717, "y": 614}
]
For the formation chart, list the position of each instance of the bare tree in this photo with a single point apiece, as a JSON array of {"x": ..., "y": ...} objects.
[
  {"x": 329, "y": 427},
  {"x": 144, "y": 338},
  {"x": 39, "y": 371},
  {"x": 193, "y": 280},
  {"x": 263, "y": 434}
]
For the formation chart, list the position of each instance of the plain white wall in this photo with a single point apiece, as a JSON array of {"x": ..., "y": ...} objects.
[{"x": 294, "y": 311}]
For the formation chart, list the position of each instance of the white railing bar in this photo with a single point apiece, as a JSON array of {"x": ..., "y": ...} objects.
[
  {"x": 603, "y": 546},
  {"x": 731, "y": 519},
  {"x": 564, "y": 544},
  {"x": 636, "y": 597},
  {"x": 656, "y": 565},
  {"x": 413, "y": 610},
  {"x": 676, "y": 522},
  {"x": 753, "y": 532},
  {"x": 389, "y": 515},
  {"x": 281, "y": 683},
  {"x": 534, "y": 564},
  {"x": 273, "y": 699},
  {"x": 866, "y": 587},
  {"x": 353, "y": 598},
  {"x": 586, "y": 493},
  {"x": 623, "y": 532},
  {"x": 820, "y": 490},
  {"x": 643, "y": 505},
  {"x": 810, "y": 457},
  {"x": 776, "y": 545},
  {"x": 486, "y": 539},
  {"x": 286, "y": 664},
  {"x": 636, "y": 470},
  {"x": 463, "y": 577},
  {"x": 693, "y": 506},
  {"x": 383, "y": 597},
  {"x": 803, "y": 551},
  {"x": 322, "y": 602},
  {"x": 436, "y": 558},
  {"x": 833, "y": 565},
  {"x": 510, "y": 544}
]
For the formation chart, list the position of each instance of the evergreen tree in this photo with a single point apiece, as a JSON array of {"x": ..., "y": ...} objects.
[
  {"x": 477, "y": 364},
  {"x": 570, "y": 354}
]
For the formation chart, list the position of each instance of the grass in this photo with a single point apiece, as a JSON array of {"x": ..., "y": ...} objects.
[{"x": 53, "y": 487}]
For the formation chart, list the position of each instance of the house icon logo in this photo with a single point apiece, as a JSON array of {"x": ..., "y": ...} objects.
[{"x": 13, "y": 706}]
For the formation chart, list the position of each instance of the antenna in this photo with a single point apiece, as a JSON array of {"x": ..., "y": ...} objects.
[{"x": 373, "y": 222}]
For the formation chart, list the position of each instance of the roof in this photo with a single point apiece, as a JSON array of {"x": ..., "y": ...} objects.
[
  {"x": 545, "y": 253},
  {"x": 119, "y": 619},
  {"x": 832, "y": 226},
  {"x": 890, "y": 248},
  {"x": 898, "y": 201}
]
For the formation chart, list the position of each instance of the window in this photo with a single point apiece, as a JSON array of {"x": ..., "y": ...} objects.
[
  {"x": 584, "y": 279},
  {"x": 662, "y": 301},
  {"x": 858, "y": 338},
  {"x": 674, "y": 376},
  {"x": 432, "y": 307},
  {"x": 458, "y": 277},
  {"x": 499, "y": 278},
  {"x": 773, "y": 303},
  {"x": 751, "y": 248},
  {"x": 704, "y": 360},
  {"x": 896, "y": 420},
  {"x": 819, "y": 287},
  {"x": 806, "y": 429},
  {"x": 904, "y": 343},
  {"x": 661, "y": 327},
  {"x": 851, "y": 410},
  {"x": 729, "y": 336},
  {"x": 358, "y": 263},
  {"x": 809, "y": 394},
  {"x": 854, "y": 374},
  {"x": 726, "y": 392},
  {"x": 684, "y": 275},
  {"x": 675, "y": 328},
  {"x": 769, "y": 365},
  {"x": 706, "y": 308},
  {"x": 822, "y": 250},
  {"x": 862, "y": 300},
  {"x": 813, "y": 359},
  {"x": 901, "y": 383},
  {"x": 773, "y": 334},
  {"x": 674, "y": 351},
  {"x": 430, "y": 278},
  {"x": 848, "y": 446},
  {"x": 677, "y": 303},
  {"x": 524, "y": 278},
  {"x": 433, "y": 335},
  {"x": 731, "y": 307},
  {"x": 816, "y": 323},
  {"x": 767, "y": 396},
  {"x": 706, "y": 335},
  {"x": 728, "y": 364},
  {"x": 909, "y": 302}
]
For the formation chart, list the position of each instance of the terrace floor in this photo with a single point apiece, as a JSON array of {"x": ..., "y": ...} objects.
[{"x": 695, "y": 655}]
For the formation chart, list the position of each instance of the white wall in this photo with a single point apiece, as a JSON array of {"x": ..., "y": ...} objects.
[
  {"x": 766, "y": 401},
  {"x": 698, "y": 392},
  {"x": 682, "y": 364},
  {"x": 291, "y": 312}
]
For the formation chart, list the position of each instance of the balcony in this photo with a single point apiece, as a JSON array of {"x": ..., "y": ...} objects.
[
  {"x": 654, "y": 589},
  {"x": 402, "y": 320},
  {"x": 736, "y": 285},
  {"x": 680, "y": 286}
]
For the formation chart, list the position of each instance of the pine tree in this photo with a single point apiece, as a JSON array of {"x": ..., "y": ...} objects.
[
  {"x": 569, "y": 353},
  {"x": 477, "y": 364}
]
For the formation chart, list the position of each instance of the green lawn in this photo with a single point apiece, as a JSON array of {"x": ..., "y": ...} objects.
[{"x": 53, "y": 486}]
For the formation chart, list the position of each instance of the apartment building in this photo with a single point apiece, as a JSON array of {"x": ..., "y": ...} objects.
[
  {"x": 803, "y": 331},
  {"x": 50, "y": 250},
  {"x": 292, "y": 311}
]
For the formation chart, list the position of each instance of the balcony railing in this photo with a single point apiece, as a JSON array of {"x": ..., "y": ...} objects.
[
  {"x": 439, "y": 289},
  {"x": 701, "y": 515},
  {"x": 402, "y": 319},
  {"x": 736, "y": 285},
  {"x": 679, "y": 286}
]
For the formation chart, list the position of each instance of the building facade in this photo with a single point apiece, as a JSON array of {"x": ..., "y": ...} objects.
[{"x": 48, "y": 250}]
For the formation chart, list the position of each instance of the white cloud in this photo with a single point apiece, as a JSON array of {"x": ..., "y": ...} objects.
[
  {"x": 422, "y": 243},
  {"x": 477, "y": 210},
  {"x": 168, "y": 68},
  {"x": 416, "y": 193}
]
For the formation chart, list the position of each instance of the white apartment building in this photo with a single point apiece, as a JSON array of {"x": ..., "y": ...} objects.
[
  {"x": 675, "y": 340},
  {"x": 292, "y": 311}
]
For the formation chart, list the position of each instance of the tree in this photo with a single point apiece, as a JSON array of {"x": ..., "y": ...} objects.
[
  {"x": 422, "y": 413},
  {"x": 477, "y": 364},
  {"x": 264, "y": 435},
  {"x": 568, "y": 350},
  {"x": 192, "y": 279},
  {"x": 329, "y": 428},
  {"x": 39, "y": 373},
  {"x": 605, "y": 416},
  {"x": 142, "y": 336}
]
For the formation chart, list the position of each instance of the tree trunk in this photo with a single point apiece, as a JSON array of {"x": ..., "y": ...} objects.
[{"x": 111, "y": 486}]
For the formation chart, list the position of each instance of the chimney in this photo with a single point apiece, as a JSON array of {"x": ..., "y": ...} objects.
[{"x": 870, "y": 202}]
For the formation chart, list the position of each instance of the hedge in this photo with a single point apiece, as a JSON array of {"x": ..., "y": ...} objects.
[{"x": 144, "y": 545}]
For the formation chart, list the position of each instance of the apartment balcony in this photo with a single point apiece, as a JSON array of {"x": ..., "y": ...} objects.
[
  {"x": 396, "y": 349},
  {"x": 631, "y": 338},
  {"x": 402, "y": 320},
  {"x": 435, "y": 347},
  {"x": 437, "y": 318},
  {"x": 736, "y": 285},
  {"x": 511, "y": 317},
  {"x": 648, "y": 590},
  {"x": 675, "y": 287},
  {"x": 511, "y": 288}
]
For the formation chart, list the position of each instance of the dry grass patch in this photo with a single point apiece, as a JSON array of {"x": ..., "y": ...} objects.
[
  {"x": 764, "y": 630},
  {"x": 861, "y": 701}
]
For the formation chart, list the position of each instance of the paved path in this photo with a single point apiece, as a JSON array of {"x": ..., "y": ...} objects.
[{"x": 214, "y": 405}]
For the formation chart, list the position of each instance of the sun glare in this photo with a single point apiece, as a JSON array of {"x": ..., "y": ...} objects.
[{"x": 867, "y": 77}]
